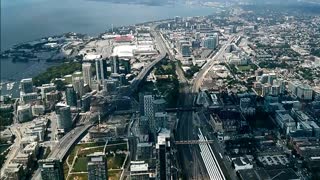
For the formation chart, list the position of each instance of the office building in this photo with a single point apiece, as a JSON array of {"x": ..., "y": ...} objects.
[
  {"x": 101, "y": 70},
  {"x": 45, "y": 88},
  {"x": 285, "y": 121},
  {"x": 304, "y": 92},
  {"x": 52, "y": 97},
  {"x": 141, "y": 104},
  {"x": 87, "y": 75},
  {"x": 144, "y": 151},
  {"x": 28, "y": 97},
  {"x": 78, "y": 85},
  {"x": 275, "y": 90},
  {"x": 211, "y": 42},
  {"x": 71, "y": 96},
  {"x": 111, "y": 86},
  {"x": 163, "y": 157},
  {"x": 24, "y": 113},
  {"x": 186, "y": 50},
  {"x": 63, "y": 114},
  {"x": 26, "y": 85},
  {"x": 115, "y": 67},
  {"x": 85, "y": 102},
  {"x": 149, "y": 112},
  {"x": 51, "y": 169},
  {"x": 126, "y": 65},
  {"x": 161, "y": 119},
  {"x": 97, "y": 166},
  {"x": 38, "y": 110},
  {"x": 139, "y": 170}
]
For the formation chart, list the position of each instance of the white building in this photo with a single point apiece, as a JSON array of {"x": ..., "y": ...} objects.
[
  {"x": 241, "y": 163},
  {"x": 86, "y": 71},
  {"x": 304, "y": 92}
]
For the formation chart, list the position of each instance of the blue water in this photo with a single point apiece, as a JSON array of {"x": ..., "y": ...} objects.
[{"x": 27, "y": 20}]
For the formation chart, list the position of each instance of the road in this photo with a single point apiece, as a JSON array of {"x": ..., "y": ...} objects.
[
  {"x": 191, "y": 163},
  {"x": 14, "y": 148},
  {"x": 185, "y": 129}
]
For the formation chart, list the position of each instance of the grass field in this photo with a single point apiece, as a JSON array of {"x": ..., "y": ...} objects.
[
  {"x": 114, "y": 174},
  {"x": 115, "y": 162},
  {"x": 80, "y": 165},
  {"x": 244, "y": 68},
  {"x": 122, "y": 147},
  {"x": 82, "y": 176}
]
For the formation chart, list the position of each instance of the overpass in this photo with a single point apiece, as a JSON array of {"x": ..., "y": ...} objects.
[{"x": 181, "y": 109}]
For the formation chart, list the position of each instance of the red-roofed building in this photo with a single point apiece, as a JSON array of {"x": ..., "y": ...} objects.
[{"x": 127, "y": 38}]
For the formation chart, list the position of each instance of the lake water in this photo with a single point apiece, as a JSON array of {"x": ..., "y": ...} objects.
[{"x": 26, "y": 20}]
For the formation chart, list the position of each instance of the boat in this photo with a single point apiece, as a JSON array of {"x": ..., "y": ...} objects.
[{"x": 10, "y": 86}]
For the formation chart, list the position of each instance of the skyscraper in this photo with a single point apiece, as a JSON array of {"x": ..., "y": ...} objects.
[
  {"x": 163, "y": 160},
  {"x": 115, "y": 64},
  {"x": 26, "y": 85},
  {"x": 97, "y": 166},
  {"x": 85, "y": 102},
  {"x": 211, "y": 42},
  {"x": 149, "y": 111},
  {"x": 86, "y": 71},
  {"x": 101, "y": 70},
  {"x": 71, "y": 95},
  {"x": 63, "y": 114},
  {"x": 51, "y": 169},
  {"x": 78, "y": 85}
]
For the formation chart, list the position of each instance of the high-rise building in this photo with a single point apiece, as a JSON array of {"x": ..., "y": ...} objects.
[
  {"x": 86, "y": 71},
  {"x": 71, "y": 95},
  {"x": 163, "y": 160},
  {"x": 78, "y": 85},
  {"x": 26, "y": 85},
  {"x": 149, "y": 111},
  {"x": 305, "y": 92},
  {"x": 101, "y": 70},
  {"x": 24, "y": 113},
  {"x": 63, "y": 114},
  {"x": 110, "y": 85},
  {"x": 161, "y": 119},
  {"x": 210, "y": 42},
  {"x": 185, "y": 50},
  {"x": 45, "y": 88},
  {"x": 51, "y": 169},
  {"x": 115, "y": 68},
  {"x": 85, "y": 102},
  {"x": 97, "y": 166},
  {"x": 141, "y": 104},
  {"x": 126, "y": 65}
]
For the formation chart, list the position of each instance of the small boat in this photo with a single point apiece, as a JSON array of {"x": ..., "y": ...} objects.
[{"x": 10, "y": 86}]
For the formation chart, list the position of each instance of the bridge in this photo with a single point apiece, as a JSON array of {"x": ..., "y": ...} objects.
[
  {"x": 181, "y": 109},
  {"x": 194, "y": 142}
]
